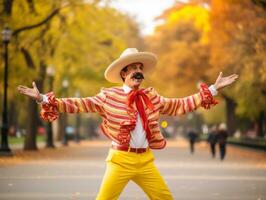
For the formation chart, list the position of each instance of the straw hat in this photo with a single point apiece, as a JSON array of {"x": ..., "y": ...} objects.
[{"x": 130, "y": 55}]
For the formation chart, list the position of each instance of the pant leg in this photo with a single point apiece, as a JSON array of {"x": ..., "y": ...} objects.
[
  {"x": 191, "y": 146},
  {"x": 116, "y": 177},
  {"x": 151, "y": 181},
  {"x": 223, "y": 150},
  {"x": 213, "y": 149}
]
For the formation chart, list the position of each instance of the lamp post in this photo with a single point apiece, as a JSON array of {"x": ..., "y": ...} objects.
[
  {"x": 49, "y": 136},
  {"x": 65, "y": 84},
  {"x": 4, "y": 149},
  {"x": 77, "y": 134}
]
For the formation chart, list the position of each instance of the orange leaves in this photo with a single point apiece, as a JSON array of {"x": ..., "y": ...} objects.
[{"x": 197, "y": 41}]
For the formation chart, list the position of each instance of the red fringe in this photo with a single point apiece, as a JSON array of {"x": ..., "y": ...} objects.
[
  {"x": 49, "y": 111},
  {"x": 207, "y": 98}
]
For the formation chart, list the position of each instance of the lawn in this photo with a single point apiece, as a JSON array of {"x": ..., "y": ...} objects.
[{"x": 20, "y": 140}]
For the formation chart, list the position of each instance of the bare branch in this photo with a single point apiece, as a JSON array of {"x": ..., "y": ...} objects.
[
  {"x": 28, "y": 58},
  {"x": 44, "y": 21}
]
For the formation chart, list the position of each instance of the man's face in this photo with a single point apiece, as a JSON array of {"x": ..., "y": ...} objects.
[{"x": 133, "y": 75}]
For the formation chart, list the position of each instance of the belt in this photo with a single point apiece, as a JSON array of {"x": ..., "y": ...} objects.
[{"x": 129, "y": 149}]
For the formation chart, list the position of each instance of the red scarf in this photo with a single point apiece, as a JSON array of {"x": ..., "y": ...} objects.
[{"x": 138, "y": 96}]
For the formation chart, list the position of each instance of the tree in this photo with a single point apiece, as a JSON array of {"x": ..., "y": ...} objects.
[
  {"x": 238, "y": 45},
  {"x": 80, "y": 39},
  {"x": 199, "y": 39},
  {"x": 182, "y": 48}
]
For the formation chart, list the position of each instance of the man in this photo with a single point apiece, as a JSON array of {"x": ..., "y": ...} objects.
[{"x": 130, "y": 120}]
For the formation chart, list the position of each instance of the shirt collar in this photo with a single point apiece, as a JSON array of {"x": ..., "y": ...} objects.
[{"x": 126, "y": 88}]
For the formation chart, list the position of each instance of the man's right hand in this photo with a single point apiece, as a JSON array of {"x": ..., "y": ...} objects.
[{"x": 31, "y": 92}]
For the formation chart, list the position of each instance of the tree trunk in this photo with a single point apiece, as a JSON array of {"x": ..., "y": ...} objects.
[
  {"x": 78, "y": 122},
  {"x": 30, "y": 142},
  {"x": 230, "y": 115},
  {"x": 61, "y": 128},
  {"x": 7, "y": 7},
  {"x": 12, "y": 118},
  {"x": 34, "y": 120},
  {"x": 260, "y": 123}
]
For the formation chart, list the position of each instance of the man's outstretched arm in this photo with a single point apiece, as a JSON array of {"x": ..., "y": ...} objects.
[
  {"x": 204, "y": 98},
  {"x": 51, "y": 106}
]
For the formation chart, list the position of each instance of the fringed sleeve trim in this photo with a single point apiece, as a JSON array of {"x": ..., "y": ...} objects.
[
  {"x": 207, "y": 99},
  {"x": 49, "y": 111}
]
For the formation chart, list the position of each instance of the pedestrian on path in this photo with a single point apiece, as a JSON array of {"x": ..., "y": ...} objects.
[
  {"x": 130, "y": 120},
  {"x": 221, "y": 138},
  {"x": 212, "y": 140},
  {"x": 192, "y": 137}
]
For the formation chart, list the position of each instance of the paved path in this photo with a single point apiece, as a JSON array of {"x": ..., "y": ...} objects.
[{"x": 75, "y": 173}]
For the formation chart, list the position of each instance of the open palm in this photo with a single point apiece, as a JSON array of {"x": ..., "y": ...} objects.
[
  {"x": 222, "y": 82},
  {"x": 30, "y": 92}
]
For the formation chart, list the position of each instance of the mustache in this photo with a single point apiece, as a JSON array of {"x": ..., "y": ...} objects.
[{"x": 138, "y": 75}]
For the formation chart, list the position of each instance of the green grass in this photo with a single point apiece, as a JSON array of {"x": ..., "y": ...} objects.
[
  {"x": 244, "y": 141},
  {"x": 257, "y": 141},
  {"x": 16, "y": 140}
]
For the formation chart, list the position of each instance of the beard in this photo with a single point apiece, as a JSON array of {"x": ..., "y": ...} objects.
[{"x": 137, "y": 75}]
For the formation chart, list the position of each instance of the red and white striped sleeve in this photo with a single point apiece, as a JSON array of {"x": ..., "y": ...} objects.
[
  {"x": 180, "y": 106},
  {"x": 50, "y": 110}
]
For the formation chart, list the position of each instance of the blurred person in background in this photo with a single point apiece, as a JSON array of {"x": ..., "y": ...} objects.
[
  {"x": 221, "y": 139},
  {"x": 212, "y": 140},
  {"x": 192, "y": 135},
  {"x": 130, "y": 120}
]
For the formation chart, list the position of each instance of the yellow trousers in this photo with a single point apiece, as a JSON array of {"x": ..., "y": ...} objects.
[{"x": 124, "y": 166}]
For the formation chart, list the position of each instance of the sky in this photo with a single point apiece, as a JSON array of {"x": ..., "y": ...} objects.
[{"x": 144, "y": 11}]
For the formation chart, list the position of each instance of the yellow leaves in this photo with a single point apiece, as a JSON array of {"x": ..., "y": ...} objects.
[
  {"x": 197, "y": 15},
  {"x": 195, "y": 43},
  {"x": 80, "y": 42},
  {"x": 181, "y": 43},
  {"x": 216, "y": 114},
  {"x": 94, "y": 37}
]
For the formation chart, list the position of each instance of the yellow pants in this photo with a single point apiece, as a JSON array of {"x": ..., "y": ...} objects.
[{"x": 124, "y": 166}]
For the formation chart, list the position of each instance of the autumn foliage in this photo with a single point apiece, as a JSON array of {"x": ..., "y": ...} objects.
[{"x": 197, "y": 40}]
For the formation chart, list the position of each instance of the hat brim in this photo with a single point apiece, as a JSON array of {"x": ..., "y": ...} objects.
[{"x": 112, "y": 73}]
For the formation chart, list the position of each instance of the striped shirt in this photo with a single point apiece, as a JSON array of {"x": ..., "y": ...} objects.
[{"x": 122, "y": 124}]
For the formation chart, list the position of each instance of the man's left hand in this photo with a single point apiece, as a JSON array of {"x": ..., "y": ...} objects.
[{"x": 222, "y": 82}]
